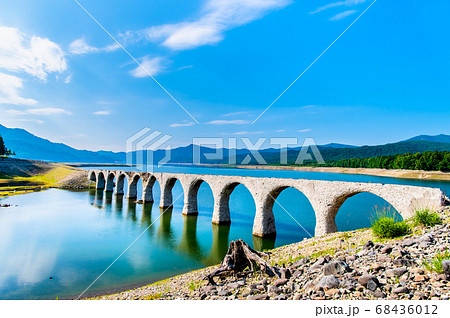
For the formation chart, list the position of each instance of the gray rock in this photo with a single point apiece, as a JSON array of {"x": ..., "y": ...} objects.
[
  {"x": 372, "y": 284},
  {"x": 281, "y": 297},
  {"x": 329, "y": 281},
  {"x": 401, "y": 290},
  {"x": 297, "y": 273},
  {"x": 234, "y": 285},
  {"x": 224, "y": 292},
  {"x": 350, "y": 258},
  {"x": 280, "y": 282},
  {"x": 336, "y": 268},
  {"x": 426, "y": 238},
  {"x": 446, "y": 266},
  {"x": 258, "y": 297},
  {"x": 285, "y": 273},
  {"x": 300, "y": 262},
  {"x": 408, "y": 242},
  {"x": 273, "y": 290},
  {"x": 386, "y": 250},
  {"x": 424, "y": 244},
  {"x": 366, "y": 278},
  {"x": 368, "y": 245},
  {"x": 395, "y": 272}
]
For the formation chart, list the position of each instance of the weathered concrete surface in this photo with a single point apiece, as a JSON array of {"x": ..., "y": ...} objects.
[{"x": 326, "y": 197}]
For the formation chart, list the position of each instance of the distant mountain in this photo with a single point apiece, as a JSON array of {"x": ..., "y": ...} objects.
[
  {"x": 29, "y": 146},
  {"x": 334, "y": 145},
  {"x": 437, "y": 138}
]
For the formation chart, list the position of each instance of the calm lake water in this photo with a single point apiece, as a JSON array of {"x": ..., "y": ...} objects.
[{"x": 73, "y": 236}]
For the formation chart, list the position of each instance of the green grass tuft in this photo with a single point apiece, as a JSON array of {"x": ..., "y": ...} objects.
[
  {"x": 427, "y": 218},
  {"x": 387, "y": 225},
  {"x": 435, "y": 264}
]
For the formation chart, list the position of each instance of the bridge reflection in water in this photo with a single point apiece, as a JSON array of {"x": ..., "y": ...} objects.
[{"x": 162, "y": 232}]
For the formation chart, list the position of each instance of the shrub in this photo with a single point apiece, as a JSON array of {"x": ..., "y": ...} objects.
[
  {"x": 427, "y": 217},
  {"x": 386, "y": 225},
  {"x": 435, "y": 264}
]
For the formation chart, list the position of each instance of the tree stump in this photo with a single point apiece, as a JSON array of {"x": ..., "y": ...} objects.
[{"x": 238, "y": 258}]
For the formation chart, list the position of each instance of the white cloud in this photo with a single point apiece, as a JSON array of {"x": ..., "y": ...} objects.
[
  {"x": 347, "y": 3},
  {"x": 39, "y": 111},
  {"x": 215, "y": 17},
  {"x": 35, "y": 56},
  {"x": 304, "y": 130},
  {"x": 236, "y": 113},
  {"x": 68, "y": 79},
  {"x": 280, "y": 130},
  {"x": 248, "y": 132},
  {"x": 102, "y": 113},
  {"x": 228, "y": 122},
  {"x": 185, "y": 67},
  {"x": 191, "y": 123},
  {"x": 342, "y": 15},
  {"x": 9, "y": 91},
  {"x": 148, "y": 66},
  {"x": 80, "y": 46}
]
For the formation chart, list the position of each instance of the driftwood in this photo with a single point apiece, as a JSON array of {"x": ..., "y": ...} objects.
[{"x": 239, "y": 257}]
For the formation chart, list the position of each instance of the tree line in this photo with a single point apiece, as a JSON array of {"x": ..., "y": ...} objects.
[
  {"x": 5, "y": 151},
  {"x": 428, "y": 160}
]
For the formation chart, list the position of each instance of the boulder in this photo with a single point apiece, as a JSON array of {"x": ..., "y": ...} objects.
[
  {"x": 336, "y": 268},
  {"x": 328, "y": 281},
  {"x": 446, "y": 266},
  {"x": 396, "y": 272}
]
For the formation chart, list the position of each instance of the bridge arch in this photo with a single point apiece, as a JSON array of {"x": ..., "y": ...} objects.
[
  {"x": 221, "y": 212},
  {"x": 191, "y": 196},
  {"x": 265, "y": 221},
  {"x": 339, "y": 200},
  {"x": 166, "y": 192},
  {"x": 147, "y": 195},
  {"x": 92, "y": 176}
]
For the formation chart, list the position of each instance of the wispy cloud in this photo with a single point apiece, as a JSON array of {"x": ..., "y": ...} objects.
[
  {"x": 188, "y": 124},
  {"x": 9, "y": 91},
  {"x": 236, "y": 113},
  {"x": 34, "y": 55},
  {"x": 228, "y": 122},
  {"x": 347, "y": 3},
  {"x": 214, "y": 18},
  {"x": 68, "y": 79},
  {"x": 185, "y": 67},
  {"x": 80, "y": 46},
  {"x": 39, "y": 111},
  {"x": 303, "y": 130},
  {"x": 280, "y": 130},
  {"x": 102, "y": 113},
  {"x": 148, "y": 66},
  {"x": 342, "y": 15}
]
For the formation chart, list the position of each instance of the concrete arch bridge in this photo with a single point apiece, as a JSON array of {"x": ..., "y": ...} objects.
[{"x": 326, "y": 197}]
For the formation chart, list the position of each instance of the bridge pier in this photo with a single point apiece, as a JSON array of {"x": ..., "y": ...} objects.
[
  {"x": 110, "y": 183},
  {"x": 264, "y": 222},
  {"x": 100, "y": 183},
  {"x": 132, "y": 191},
  {"x": 120, "y": 185}
]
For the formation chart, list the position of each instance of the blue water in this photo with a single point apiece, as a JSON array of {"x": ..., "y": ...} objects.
[{"x": 73, "y": 236}]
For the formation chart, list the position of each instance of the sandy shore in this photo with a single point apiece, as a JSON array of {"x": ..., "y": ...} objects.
[{"x": 405, "y": 174}]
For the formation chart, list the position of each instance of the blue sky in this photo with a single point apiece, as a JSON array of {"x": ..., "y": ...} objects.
[{"x": 63, "y": 78}]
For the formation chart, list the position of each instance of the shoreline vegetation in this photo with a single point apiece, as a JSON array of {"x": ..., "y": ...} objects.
[
  {"x": 20, "y": 176},
  {"x": 343, "y": 265},
  {"x": 392, "y": 173}
]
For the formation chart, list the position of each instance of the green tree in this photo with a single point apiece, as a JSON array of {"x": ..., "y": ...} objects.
[{"x": 3, "y": 149}]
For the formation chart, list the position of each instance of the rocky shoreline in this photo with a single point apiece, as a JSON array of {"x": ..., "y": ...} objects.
[{"x": 343, "y": 265}]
